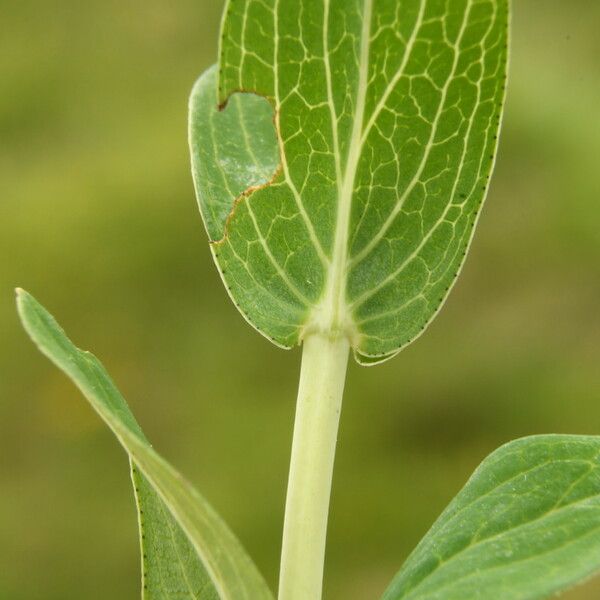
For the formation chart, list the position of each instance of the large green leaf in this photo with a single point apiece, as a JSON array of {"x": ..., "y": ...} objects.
[
  {"x": 526, "y": 525},
  {"x": 189, "y": 552},
  {"x": 348, "y": 204}
]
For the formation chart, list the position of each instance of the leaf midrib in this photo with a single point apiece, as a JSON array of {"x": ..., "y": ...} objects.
[
  {"x": 334, "y": 312},
  {"x": 331, "y": 315}
]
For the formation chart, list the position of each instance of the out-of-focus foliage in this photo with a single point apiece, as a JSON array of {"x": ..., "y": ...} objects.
[{"x": 98, "y": 216}]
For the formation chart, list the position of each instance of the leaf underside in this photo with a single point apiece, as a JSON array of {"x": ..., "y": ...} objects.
[
  {"x": 171, "y": 569},
  {"x": 525, "y": 526},
  {"x": 188, "y": 551},
  {"x": 344, "y": 200}
]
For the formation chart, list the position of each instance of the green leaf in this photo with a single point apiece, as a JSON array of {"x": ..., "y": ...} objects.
[
  {"x": 189, "y": 551},
  {"x": 525, "y": 526},
  {"x": 171, "y": 568},
  {"x": 348, "y": 205}
]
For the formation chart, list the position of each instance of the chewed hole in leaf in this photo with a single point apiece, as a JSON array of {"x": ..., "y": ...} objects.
[
  {"x": 233, "y": 149},
  {"x": 387, "y": 125}
]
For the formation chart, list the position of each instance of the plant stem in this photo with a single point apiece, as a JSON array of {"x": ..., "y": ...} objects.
[{"x": 322, "y": 377}]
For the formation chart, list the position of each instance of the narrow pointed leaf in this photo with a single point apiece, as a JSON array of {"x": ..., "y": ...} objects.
[
  {"x": 348, "y": 206},
  {"x": 171, "y": 508},
  {"x": 525, "y": 526}
]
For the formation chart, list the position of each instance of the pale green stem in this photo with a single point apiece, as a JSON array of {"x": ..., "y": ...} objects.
[{"x": 322, "y": 376}]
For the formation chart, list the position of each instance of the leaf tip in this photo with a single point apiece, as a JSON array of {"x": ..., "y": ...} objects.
[
  {"x": 21, "y": 294},
  {"x": 39, "y": 324},
  {"x": 23, "y": 298}
]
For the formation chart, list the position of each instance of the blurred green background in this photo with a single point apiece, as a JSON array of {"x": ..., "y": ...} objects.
[{"x": 98, "y": 219}]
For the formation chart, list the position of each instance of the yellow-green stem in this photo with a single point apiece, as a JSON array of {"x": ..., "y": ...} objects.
[{"x": 322, "y": 377}]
